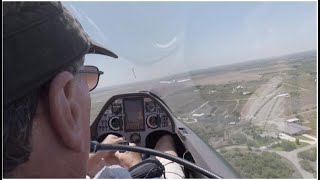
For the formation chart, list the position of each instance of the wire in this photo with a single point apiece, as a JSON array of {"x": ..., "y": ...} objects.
[
  {"x": 175, "y": 174},
  {"x": 184, "y": 158},
  {"x": 168, "y": 163},
  {"x": 148, "y": 173},
  {"x": 184, "y": 154},
  {"x": 163, "y": 172}
]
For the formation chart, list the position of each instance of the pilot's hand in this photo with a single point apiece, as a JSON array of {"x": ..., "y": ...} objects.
[
  {"x": 112, "y": 139},
  {"x": 100, "y": 159},
  {"x": 128, "y": 158}
]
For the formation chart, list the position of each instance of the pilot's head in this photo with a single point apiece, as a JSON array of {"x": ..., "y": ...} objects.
[{"x": 46, "y": 91}]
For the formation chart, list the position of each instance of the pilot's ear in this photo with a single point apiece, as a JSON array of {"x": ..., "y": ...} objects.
[{"x": 65, "y": 111}]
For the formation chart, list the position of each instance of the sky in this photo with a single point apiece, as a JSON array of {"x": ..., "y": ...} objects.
[{"x": 156, "y": 39}]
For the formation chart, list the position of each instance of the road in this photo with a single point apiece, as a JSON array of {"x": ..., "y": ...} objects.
[
  {"x": 199, "y": 107},
  {"x": 295, "y": 86},
  {"x": 237, "y": 100},
  {"x": 292, "y": 156}
]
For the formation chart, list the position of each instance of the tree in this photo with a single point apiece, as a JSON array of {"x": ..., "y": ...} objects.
[{"x": 287, "y": 145}]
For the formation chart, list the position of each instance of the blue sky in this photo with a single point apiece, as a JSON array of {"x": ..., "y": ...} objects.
[{"x": 163, "y": 38}]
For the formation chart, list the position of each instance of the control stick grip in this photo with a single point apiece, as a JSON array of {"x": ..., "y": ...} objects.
[
  {"x": 123, "y": 142},
  {"x": 95, "y": 146}
]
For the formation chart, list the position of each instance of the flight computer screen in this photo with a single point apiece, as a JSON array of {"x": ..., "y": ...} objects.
[{"x": 134, "y": 115}]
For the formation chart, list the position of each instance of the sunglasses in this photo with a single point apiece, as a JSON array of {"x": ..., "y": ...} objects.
[{"x": 91, "y": 75}]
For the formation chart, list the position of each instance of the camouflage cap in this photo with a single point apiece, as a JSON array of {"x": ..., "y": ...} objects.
[{"x": 38, "y": 41}]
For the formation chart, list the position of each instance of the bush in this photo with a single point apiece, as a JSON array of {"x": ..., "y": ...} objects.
[
  {"x": 251, "y": 143},
  {"x": 223, "y": 150},
  {"x": 239, "y": 138},
  {"x": 288, "y": 146},
  {"x": 259, "y": 165},
  {"x": 310, "y": 154},
  {"x": 306, "y": 166},
  {"x": 297, "y": 141}
]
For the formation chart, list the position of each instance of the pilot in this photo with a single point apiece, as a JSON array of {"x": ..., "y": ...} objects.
[{"x": 46, "y": 100}]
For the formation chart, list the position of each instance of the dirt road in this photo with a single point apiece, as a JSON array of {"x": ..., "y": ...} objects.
[{"x": 292, "y": 156}]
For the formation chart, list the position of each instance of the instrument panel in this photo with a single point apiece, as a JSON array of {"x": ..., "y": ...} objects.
[{"x": 134, "y": 118}]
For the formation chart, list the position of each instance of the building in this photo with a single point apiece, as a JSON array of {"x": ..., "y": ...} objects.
[
  {"x": 197, "y": 115},
  {"x": 268, "y": 134},
  {"x": 283, "y": 95},
  {"x": 293, "y": 129},
  {"x": 246, "y": 93},
  {"x": 293, "y": 120},
  {"x": 263, "y": 148}
]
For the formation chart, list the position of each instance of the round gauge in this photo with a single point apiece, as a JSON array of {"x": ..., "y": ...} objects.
[
  {"x": 115, "y": 123},
  {"x": 135, "y": 138},
  {"x": 150, "y": 106},
  {"x": 153, "y": 121}
]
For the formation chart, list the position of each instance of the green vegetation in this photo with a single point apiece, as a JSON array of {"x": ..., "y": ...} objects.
[
  {"x": 302, "y": 144},
  {"x": 264, "y": 141},
  {"x": 251, "y": 143},
  {"x": 277, "y": 148},
  {"x": 223, "y": 150},
  {"x": 311, "y": 118},
  {"x": 297, "y": 141},
  {"x": 254, "y": 131},
  {"x": 239, "y": 138},
  {"x": 309, "y": 157},
  {"x": 300, "y": 84},
  {"x": 287, "y": 146},
  {"x": 259, "y": 165},
  {"x": 310, "y": 154},
  {"x": 206, "y": 130},
  {"x": 307, "y": 166}
]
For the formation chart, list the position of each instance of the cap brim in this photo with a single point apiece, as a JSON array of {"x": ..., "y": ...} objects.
[{"x": 98, "y": 49}]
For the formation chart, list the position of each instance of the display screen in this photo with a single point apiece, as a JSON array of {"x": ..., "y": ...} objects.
[{"x": 134, "y": 115}]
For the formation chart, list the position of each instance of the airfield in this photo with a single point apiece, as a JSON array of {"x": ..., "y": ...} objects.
[{"x": 255, "y": 106}]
